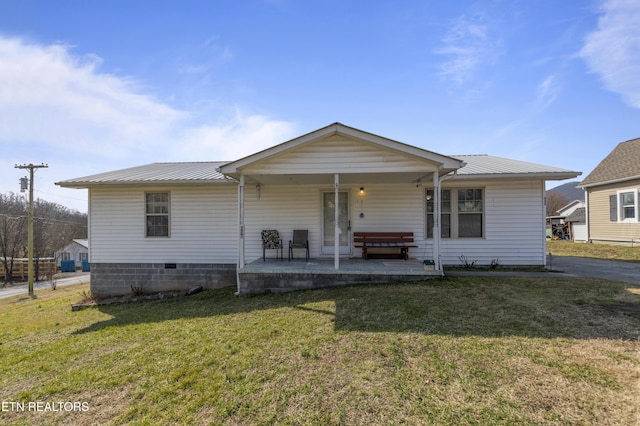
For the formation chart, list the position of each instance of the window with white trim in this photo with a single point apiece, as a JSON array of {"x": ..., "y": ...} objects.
[
  {"x": 157, "y": 214},
  {"x": 623, "y": 206},
  {"x": 462, "y": 214}
]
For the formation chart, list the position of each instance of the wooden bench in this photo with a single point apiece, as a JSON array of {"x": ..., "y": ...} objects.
[{"x": 389, "y": 241}]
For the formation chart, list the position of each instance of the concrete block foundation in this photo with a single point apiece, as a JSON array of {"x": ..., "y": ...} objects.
[{"x": 119, "y": 279}]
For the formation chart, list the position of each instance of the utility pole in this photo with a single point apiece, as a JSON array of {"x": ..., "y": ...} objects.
[{"x": 32, "y": 169}]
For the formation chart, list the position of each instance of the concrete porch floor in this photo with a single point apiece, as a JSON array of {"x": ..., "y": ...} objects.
[{"x": 280, "y": 276}]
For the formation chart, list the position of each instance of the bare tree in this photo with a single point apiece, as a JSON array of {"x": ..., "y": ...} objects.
[
  {"x": 13, "y": 229},
  {"x": 54, "y": 227},
  {"x": 555, "y": 201}
]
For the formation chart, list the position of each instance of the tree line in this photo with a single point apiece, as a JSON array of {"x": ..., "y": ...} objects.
[{"x": 54, "y": 226}]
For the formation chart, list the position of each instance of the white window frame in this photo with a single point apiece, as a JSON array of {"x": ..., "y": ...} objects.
[
  {"x": 621, "y": 207},
  {"x": 454, "y": 212},
  {"x": 167, "y": 214}
]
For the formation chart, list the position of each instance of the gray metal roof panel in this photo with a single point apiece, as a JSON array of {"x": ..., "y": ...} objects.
[
  {"x": 192, "y": 172},
  {"x": 498, "y": 166}
]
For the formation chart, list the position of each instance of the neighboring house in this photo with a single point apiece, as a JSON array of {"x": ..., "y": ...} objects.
[
  {"x": 577, "y": 223},
  {"x": 169, "y": 225},
  {"x": 559, "y": 227},
  {"x": 77, "y": 250},
  {"x": 613, "y": 213}
]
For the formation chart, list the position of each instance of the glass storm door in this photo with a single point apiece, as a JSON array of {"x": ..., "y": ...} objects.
[{"x": 328, "y": 222}]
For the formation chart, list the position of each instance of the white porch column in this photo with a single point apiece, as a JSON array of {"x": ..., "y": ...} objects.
[
  {"x": 241, "y": 222},
  {"x": 437, "y": 208},
  {"x": 336, "y": 246}
]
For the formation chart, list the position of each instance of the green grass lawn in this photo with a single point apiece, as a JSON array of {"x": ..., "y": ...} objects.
[
  {"x": 454, "y": 351},
  {"x": 599, "y": 251}
]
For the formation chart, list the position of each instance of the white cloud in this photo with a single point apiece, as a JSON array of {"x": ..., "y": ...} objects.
[
  {"x": 236, "y": 138},
  {"x": 59, "y": 108},
  {"x": 547, "y": 91},
  {"x": 468, "y": 47},
  {"x": 613, "y": 50}
]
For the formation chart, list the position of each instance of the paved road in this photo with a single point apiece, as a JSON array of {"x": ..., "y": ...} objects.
[
  {"x": 79, "y": 278},
  {"x": 567, "y": 266}
]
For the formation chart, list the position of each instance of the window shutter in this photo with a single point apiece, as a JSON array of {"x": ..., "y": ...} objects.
[{"x": 613, "y": 208}]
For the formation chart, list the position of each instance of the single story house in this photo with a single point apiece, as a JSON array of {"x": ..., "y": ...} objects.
[
  {"x": 77, "y": 250},
  {"x": 612, "y": 196},
  {"x": 164, "y": 226}
]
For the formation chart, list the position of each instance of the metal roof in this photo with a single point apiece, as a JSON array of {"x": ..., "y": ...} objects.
[
  {"x": 491, "y": 166},
  {"x": 623, "y": 163},
  {"x": 476, "y": 166},
  {"x": 155, "y": 173}
]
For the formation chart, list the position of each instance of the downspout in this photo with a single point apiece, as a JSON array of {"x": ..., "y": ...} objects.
[
  {"x": 437, "y": 209},
  {"x": 337, "y": 232},
  {"x": 240, "y": 231},
  {"x": 586, "y": 215}
]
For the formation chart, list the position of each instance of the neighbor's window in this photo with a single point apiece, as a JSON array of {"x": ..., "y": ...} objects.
[
  {"x": 462, "y": 213},
  {"x": 627, "y": 205},
  {"x": 157, "y": 214}
]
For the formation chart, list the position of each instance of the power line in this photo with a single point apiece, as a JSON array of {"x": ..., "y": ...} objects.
[
  {"x": 61, "y": 196},
  {"x": 44, "y": 219}
]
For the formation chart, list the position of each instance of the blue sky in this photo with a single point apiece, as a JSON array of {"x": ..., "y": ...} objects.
[{"x": 93, "y": 86}]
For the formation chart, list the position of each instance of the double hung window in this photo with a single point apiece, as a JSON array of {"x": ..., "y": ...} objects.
[
  {"x": 462, "y": 214},
  {"x": 157, "y": 214},
  {"x": 623, "y": 206}
]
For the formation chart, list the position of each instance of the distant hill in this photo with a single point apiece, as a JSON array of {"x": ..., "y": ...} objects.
[{"x": 569, "y": 191}]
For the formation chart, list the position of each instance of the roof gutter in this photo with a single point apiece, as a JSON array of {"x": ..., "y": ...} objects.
[
  {"x": 546, "y": 176},
  {"x": 84, "y": 185},
  {"x": 607, "y": 182}
]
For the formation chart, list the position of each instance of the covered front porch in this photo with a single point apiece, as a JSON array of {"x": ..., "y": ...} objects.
[
  {"x": 275, "y": 276},
  {"x": 333, "y": 183}
]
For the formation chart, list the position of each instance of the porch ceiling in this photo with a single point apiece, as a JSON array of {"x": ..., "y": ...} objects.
[{"x": 345, "y": 178}]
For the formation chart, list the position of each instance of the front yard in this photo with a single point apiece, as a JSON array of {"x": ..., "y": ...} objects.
[{"x": 458, "y": 351}]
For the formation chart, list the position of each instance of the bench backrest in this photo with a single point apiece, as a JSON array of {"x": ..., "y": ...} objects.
[{"x": 383, "y": 237}]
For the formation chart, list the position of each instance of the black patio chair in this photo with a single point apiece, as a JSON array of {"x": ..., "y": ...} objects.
[
  {"x": 300, "y": 241},
  {"x": 271, "y": 241}
]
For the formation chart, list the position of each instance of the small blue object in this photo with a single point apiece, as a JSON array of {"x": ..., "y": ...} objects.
[
  {"x": 361, "y": 215},
  {"x": 85, "y": 266},
  {"x": 68, "y": 265}
]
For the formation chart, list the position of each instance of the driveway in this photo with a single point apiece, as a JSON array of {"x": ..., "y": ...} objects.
[
  {"x": 628, "y": 272},
  {"x": 567, "y": 266},
  {"x": 78, "y": 278}
]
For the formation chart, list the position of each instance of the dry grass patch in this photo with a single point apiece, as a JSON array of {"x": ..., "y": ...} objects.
[
  {"x": 457, "y": 351},
  {"x": 596, "y": 251}
]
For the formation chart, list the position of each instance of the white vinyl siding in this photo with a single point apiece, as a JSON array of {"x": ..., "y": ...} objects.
[
  {"x": 392, "y": 207},
  {"x": 204, "y": 221},
  {"x": 513, "y": 219},
  {"x": 345, "y": 155},
  {"x": 203, "y": 225},
  {"x": 514, "y": 225}
]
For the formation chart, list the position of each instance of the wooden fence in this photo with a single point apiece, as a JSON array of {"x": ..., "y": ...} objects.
[{"x": 21, "y": 268}]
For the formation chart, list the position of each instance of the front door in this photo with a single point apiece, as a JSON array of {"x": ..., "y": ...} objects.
[{"x": 328, "y": 222}]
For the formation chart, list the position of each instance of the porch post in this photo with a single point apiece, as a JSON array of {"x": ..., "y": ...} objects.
[
  {"x": 437, "y": 208},
  {"x": 241, "y": 222},
  {"x": 336, "y": 244}
]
